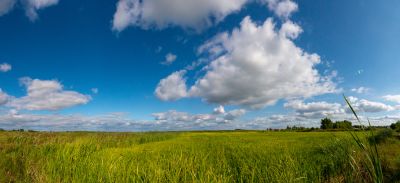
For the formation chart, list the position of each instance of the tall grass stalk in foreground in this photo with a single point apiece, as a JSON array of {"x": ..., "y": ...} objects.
[{"x": 370, "y": 160}]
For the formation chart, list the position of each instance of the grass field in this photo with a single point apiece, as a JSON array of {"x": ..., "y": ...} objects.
[{"x": 242, "y": 156}]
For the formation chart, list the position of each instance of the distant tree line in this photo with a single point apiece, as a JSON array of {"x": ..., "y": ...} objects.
[
  {"x": 327, "y": 123},
  {"x": 17, "y": 130}
]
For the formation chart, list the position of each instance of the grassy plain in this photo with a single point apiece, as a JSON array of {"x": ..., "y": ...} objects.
[{"x": 240, "y": 156}]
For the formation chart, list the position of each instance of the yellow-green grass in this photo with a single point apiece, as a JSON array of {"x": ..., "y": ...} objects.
[{"x": 244, "y": 156}]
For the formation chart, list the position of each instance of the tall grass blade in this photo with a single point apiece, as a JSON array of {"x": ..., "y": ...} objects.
[{"x": 371, "y": 161}]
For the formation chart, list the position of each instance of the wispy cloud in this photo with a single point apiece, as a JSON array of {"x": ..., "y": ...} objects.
[
  {"x": 169, "y": 59},
  {"x": 392, "y": 98},
  {"x": 360, "y": 90},
  {"x": 31, "y": 6}
]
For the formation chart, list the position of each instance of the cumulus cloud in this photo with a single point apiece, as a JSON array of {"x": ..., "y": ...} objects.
[
  {"x": 257, "y": 65},
  {"x": 290, "y": 30},
  {"x": 190, "y": 14},
  {"x": 5, "y": 67},
  {"x": 46, "y": 95},
  {"x": 282, "y": 8},
  {"x": 360, "y": 90},
  {"x": 173, "y": 87},
  {"x": 31, "y": 6},
  {"x": 169, "y": 59},
  {"x": 392, "y": 98}
]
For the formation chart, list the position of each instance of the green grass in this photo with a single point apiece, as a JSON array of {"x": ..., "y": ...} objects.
[{"x": 247, "y": 156}]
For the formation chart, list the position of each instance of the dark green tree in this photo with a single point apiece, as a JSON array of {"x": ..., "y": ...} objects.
[
  {"x": 326, "y": 123},
  {"x": 395, "y": 126}
]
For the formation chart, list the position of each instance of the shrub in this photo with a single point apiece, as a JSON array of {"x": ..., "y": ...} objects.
[
  {"x": 381, "y": 136},
  {"x": 343, "y": 124}
]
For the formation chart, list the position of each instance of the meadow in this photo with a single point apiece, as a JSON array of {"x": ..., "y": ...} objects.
[{"x": 236, "y": 156}]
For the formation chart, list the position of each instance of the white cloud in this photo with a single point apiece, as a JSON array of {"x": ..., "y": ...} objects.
[
  {"x": 177, "y": 116},
  {"x": 5, "y": 67},
  {"x": 169, "y": 59},
  {"x": 6, "y": 6},
  {"x": 219, "y": 110},
  {"x": 310, "y": 114},
  {"x": 234, "y": 114},
  {"x": 280, "y": 121},
  {"x": 392, "y": 98},
  {"x": 57, "y": 122},
  {"x": 119, "y": 122},
  {"x": 46, "y": 95},
  {"x": 31, "y": 6},
  {"x": 173, "y": 87},
  {"x": 360, "y": 90},
  {"x": 189, "y": 14},
  {"x": 204, "y": 119},
  {"x": 4, "y": 97},
  {"x": 283, "y": 120},
  {"x": 290, "y": 30},
  {"x": 363, "y": 105},
  {"x": 282, "y": 8},
  {"x": 257, "y": 66},
  {"x": 315, "y": 109},
  {"x": 171, "y": 120}
]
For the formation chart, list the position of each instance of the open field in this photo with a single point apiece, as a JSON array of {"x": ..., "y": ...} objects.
[{"x": 242, "y": 156}]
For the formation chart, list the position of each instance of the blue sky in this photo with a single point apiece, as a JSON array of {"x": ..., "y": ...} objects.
[{"x": 124, "y": 65}]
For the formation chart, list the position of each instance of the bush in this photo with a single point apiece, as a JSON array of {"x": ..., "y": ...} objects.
[{"x": 381, "y": 136}]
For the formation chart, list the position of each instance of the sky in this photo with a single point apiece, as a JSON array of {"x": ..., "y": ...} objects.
[{"x": 149, "y": 65}]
